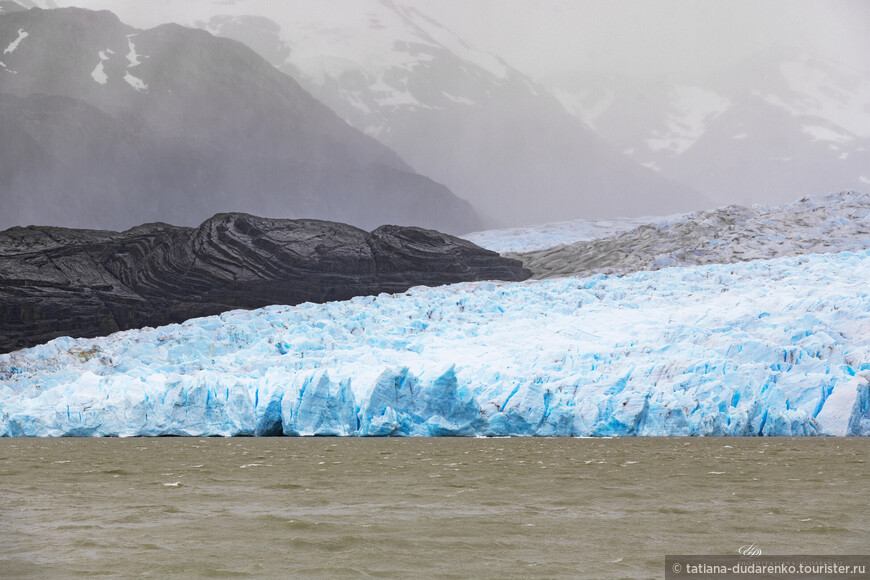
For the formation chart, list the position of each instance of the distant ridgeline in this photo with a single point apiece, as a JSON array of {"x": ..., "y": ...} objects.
[{"x": 84, "y": 283}]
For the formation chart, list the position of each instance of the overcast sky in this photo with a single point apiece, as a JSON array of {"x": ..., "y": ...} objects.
[
  {"x": 636, "y": 37},
  {"x": 652, "y": 36}
]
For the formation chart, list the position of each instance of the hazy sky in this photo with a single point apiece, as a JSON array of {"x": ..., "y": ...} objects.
[
  {"x": 652, "y": 36},
  {"x": 637, "y": 37}
]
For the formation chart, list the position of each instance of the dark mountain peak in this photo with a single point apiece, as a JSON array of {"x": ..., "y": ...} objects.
[
  {"x": 72, "y": 18},
  {"x": 35, "y": 4},
  {"x": 174, "y": 124},
  {"x": 8, "y": 7}
]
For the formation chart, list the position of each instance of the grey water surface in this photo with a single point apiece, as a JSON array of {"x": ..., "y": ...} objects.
[{"x": 411, "y": 508}]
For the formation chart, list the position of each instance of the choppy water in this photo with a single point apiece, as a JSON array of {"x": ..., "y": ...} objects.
[{"x": 405, "y": 508}]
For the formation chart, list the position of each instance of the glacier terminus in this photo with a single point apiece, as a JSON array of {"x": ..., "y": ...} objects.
[{"x": 766, "y": 347}]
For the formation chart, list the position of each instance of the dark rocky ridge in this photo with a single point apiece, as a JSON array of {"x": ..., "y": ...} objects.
[
  {"x": 84, "y": 283},
  {"x": 9, "y": 6}
]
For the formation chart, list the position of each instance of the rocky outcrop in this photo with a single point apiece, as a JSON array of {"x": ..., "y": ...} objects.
[{"x": 84, "y": 283}]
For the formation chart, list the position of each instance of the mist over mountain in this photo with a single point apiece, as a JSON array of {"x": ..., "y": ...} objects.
[
  {"x": 782, "y": 123},
  {"x": 643, "y": 124},
  {"x": 464, "y": 117},
  {"x": 7, "y": 6},
  {"x": 104, "y": 125}
]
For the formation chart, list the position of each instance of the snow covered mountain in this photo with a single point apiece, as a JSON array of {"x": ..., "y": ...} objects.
[
  {"x": 462, "y": 116},
  {"x": 785, "y": 122},
  {"x": 760, "y": 348},
  {"x": 107, "y": 126}
]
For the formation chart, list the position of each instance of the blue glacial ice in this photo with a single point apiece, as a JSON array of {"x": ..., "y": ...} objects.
[
  {"x": 543, "y": 236},
  {"x": 778, "y": 347}
]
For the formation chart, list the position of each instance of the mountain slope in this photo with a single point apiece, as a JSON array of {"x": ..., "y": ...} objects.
[
  {"x": 189, "y": 125},
  {"x": 785, "y": 122},
  {"x": 462, "y": 116}
]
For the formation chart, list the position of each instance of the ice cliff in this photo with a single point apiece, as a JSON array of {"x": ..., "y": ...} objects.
[{"x": 778, "y": 347}]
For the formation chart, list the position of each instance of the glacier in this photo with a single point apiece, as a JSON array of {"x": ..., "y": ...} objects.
[
  {"x": 835, "y": 222},
  {"x": 545, "y": 236},
  {"x": 766, "y": 347}
]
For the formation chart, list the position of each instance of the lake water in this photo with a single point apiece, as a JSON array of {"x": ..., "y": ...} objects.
[{"x": 406, "y": 508}]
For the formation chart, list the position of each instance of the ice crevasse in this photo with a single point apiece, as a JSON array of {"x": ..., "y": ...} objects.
[{"x": 777, "y": 347}]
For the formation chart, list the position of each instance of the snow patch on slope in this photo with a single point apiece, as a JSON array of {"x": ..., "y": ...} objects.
[
  {"x": 133, "y": 59},
  {"x": 587, "y": 105},
  {"x": 830, "y": 92},
  {"x": 132, "y": 56},
  {"x": 135, "y": 82},
  {"x": 822, "y": 90},
  {"x": 99, "y": 74},
  {"x": 392, "y": 96},
  {"x": 22, "y": 34},
  {"x": 826, "y": 134},
  {"x": 694, "y": 107},
  {"x": 460, "y": 100},
  {"x": 444, "y": 37}
]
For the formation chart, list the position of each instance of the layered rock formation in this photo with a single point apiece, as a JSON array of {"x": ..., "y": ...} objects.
[{"x": 58, "y": 282}]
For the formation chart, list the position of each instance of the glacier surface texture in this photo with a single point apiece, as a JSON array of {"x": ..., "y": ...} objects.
[
  {"x": 836, "y": 222},
  {"x": 777, "y": 347}
]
